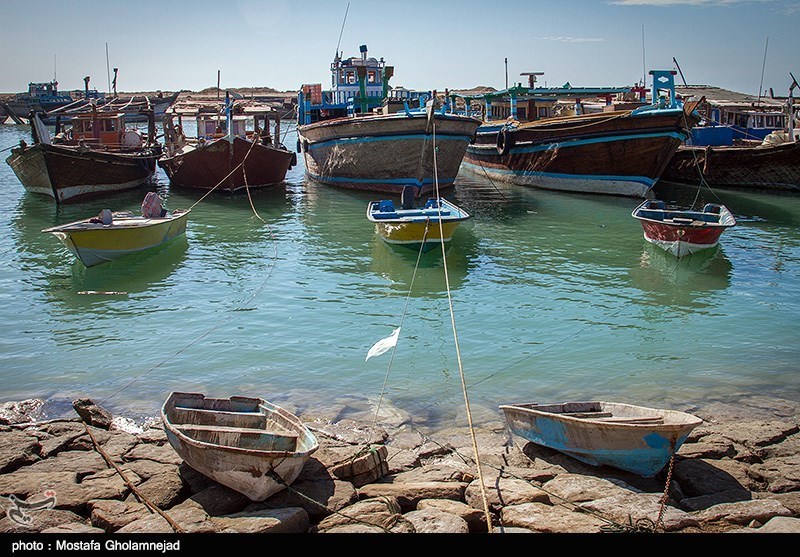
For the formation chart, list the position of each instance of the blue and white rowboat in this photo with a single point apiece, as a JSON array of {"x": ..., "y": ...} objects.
[{"x": 632, "y": 438}]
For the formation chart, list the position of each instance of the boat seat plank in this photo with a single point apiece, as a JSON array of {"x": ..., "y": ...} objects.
[
  {"x": 229, "y": 429},
  {"x": 632, "y": 420},
  {"x": 206, "y": 417},
  {"x": 589, "y": 414}
]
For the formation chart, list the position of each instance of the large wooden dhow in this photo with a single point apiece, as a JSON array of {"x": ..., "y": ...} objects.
[
  {"x": 384, "y": 153},
  {"x": 225, "y": 155},
  {"x": 359, "y": 136},
  {"x": 96, "y": 156},
  {"x": 743, "y": 145},
  {"x": 616, "y": 152}
]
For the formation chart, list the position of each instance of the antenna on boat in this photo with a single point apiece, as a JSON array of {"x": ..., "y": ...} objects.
[
  {"x": 54, "y": 68},
  {"x": 506, "y": 73},
  {"x": 108, "y": 71},
  {"x": 763, "y": 65},
  {"x": 679, "y": 71},
  {"x": 644, "y": 66},
  {"x": 338, "y": 44}
]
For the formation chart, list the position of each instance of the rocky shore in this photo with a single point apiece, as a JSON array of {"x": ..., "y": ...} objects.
[{"x": 738, "y": 472}]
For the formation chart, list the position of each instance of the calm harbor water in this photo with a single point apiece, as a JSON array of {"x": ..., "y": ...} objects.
[{"x": 556, "y": 297}]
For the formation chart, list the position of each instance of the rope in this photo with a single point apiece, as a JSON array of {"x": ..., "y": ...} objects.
[
  {"x": 150, "y": 506},
  {"x": 402, "y": 319},
  {"x": 455, "y": 338},
  {"x": 531, "y": 126}
]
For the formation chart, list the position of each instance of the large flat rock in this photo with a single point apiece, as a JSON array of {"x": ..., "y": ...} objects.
[
  {"x": 634, "y": 507},
  {"x": 501, "y": 492},
  {"x": 289, "y": 520},
  {"x": 436, "y": 521},
  {"x": 551, "y": 519},
  {"x": 408, "y": 494},
  {"x": 17, "y": 449}
]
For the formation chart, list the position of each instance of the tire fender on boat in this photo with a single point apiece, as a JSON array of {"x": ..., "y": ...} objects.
[{"x": 505, "y": 141}]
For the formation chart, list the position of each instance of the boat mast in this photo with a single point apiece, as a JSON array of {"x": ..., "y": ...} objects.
[
  {"x": 108, "y": 71},
  {"x": 339, "y": 43},
  {"x": 763, "y": 65}
]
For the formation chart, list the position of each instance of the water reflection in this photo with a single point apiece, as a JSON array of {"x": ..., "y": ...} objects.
[{"x": 685, "y": 283}]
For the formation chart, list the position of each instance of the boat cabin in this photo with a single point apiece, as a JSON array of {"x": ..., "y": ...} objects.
[
  {"x": 528, "y": 103},
  {"x": 102, "y": 130},
  {"x": 358, "y": 85}
]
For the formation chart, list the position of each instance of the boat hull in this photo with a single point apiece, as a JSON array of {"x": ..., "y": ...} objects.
[
  {"x": 68, "y": 174},
  {"x": 639, "y": 448},
  {"x": 108, "y": 243},
  {"x": 384, "y": 153},
  {"x": 222, "y": 454},
  {"x": 411, "y": 235},
  {"x": 682, "y": 232},
  {"x": 215, "y": 164},
  {"x": 620, "y": 154},
  {"x": 764, "y": 167}
]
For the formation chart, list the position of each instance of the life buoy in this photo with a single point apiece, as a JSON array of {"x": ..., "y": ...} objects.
[{"x": 505, "y": 141}]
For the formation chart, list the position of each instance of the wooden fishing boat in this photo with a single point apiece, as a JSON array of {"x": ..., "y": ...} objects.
[
  {"x": 632, "y": 438},
  {"x": 225, "y": 155},
  {"x": 358, "y": 137},
  {"x": 615, "y": 152},
  {"x": 113, "y": 235},
  {"x": 97, "y": 155},
  {"x": 764, "y": 166},
  {"x": 681, "y": 231},
  {"x": 744, "y": 142},
  {"x": 416, "y": 227},
  {"x": 241, "y": 442}
]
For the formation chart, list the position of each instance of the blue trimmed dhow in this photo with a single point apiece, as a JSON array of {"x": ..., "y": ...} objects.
[{"x": 619, "y": 152}]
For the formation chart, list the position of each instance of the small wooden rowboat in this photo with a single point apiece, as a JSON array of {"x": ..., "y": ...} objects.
[
  {"x": 633, "y": 438},
  {"x": 416, "y": 227},
  {"x": 683, "y": 232},
  {"x": 97, "y": 240},
  {"x": 247, "y": 444}
]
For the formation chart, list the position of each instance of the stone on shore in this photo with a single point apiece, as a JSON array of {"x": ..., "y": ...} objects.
[
  {"x": 318, "y": 497},
  {"x": 744, "y": 512},
  {"x": 381, "y": 512},
  {"x": 436, "y": 521},
  {"x": 782, "y": 474},
  {"x": 217, "y": 500},
  {"x": 288, "y": 520},
  {"x": 706, "y": 501},
  {"x": 192, "y": 520},
  {"x": 164, "y": 454},
  {"x": 408, "y": 494},
  {"x": 357, "y": 464},
  {"x": 81, "y": 462},
  {"x": 400, "y": 460},
  {"x": 579, "y": 489},
  {"x": 111, "y": 515},
  {"x": 712, "y": 446},
  {"x": 551, "y": 519},
  {"x": 777, "y": 525},
  {"x": 701, "y": 476},
  {"x": 92, "y": 413},
  {"x": 39, "y": 521},
  {"x": 441, "y": 472},
  {"x": 162, "y": 490},
  {"x": 501, "y": 492},
  {"x": 17, "y": 449},
  {"x": 73, "y": 528},
  {"x": 22, "y": 411},
  {"x": 633, "y": 507},
  {"x": 475, "y": 518}
]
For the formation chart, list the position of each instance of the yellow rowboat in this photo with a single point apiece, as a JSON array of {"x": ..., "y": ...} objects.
[
  {"x": 93, "y": 242},
  {"x": 417, "y": 228}
]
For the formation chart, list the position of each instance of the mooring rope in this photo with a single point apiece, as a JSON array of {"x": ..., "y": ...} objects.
[
  {"x": 487, "y": 514},
  {"x": 400, "y": 326}
]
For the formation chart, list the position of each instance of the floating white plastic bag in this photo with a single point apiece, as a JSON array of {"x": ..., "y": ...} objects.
[{"x": 383, "y": 345}]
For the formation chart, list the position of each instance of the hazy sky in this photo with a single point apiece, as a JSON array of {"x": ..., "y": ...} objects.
[{"x": 433, "y": 44}]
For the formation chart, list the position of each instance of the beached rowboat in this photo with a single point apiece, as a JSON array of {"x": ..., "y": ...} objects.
[
  {"x": 247, "y": 444},
  {"x": 93, "y": 242},
  {"x": 683, "y": 232},
  {"x": 633, "y": 438},
  {"x": 416, "y": 227}
]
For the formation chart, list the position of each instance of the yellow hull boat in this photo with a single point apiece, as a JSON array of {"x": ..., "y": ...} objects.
[
  {"x": 417, "y": 228},
  {"x": 94, "y": 242}
]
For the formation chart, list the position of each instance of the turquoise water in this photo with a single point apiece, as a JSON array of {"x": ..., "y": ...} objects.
[{"x": 556, "y": 297}]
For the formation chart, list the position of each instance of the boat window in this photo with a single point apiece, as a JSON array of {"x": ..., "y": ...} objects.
[
  {"x": 543, "y": 112},
  {"x": 351, "y": 77},
  {"x": 371, "y": 76}
]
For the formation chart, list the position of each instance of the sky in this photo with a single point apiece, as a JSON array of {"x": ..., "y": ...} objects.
[{"x": 171, "y": 45}]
